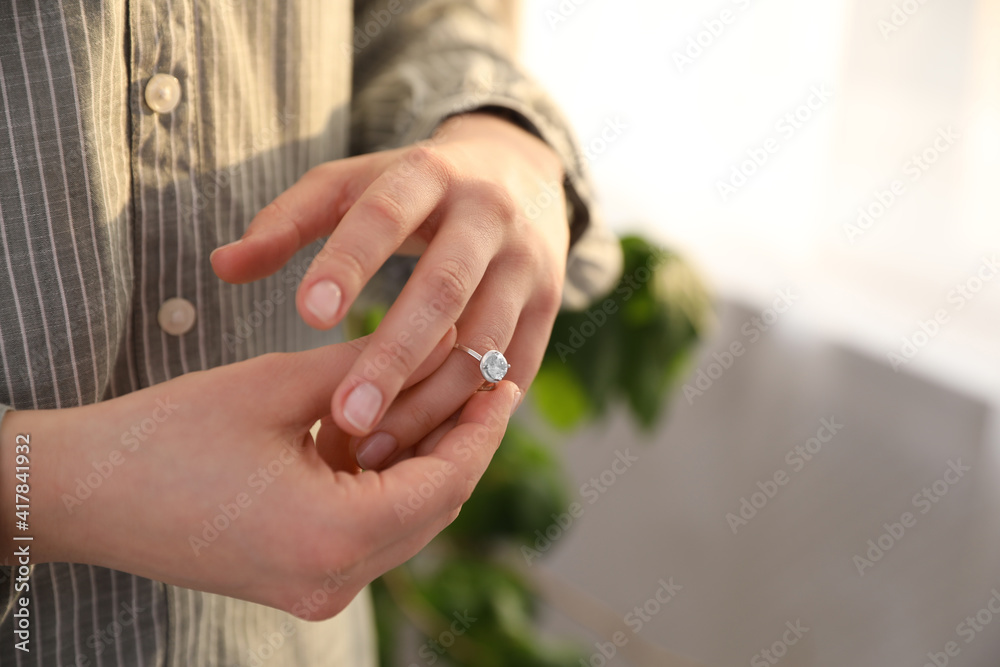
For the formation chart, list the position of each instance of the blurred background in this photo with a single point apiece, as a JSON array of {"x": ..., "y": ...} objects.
[{"x": 817, "y": 481}]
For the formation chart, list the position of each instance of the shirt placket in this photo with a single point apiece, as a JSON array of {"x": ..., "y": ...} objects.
[{"x": 170, "y": 254}]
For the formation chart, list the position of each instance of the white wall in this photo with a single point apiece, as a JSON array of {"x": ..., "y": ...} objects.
[
  {"x": 690, "y": 126},
  {"x": 858, "y": 296}
]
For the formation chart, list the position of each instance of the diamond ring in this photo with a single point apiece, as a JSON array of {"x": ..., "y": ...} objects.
[{"x": 493, "y": 365}]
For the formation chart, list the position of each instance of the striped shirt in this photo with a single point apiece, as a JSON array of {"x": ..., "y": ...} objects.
[{"x": 136, "y": 137}]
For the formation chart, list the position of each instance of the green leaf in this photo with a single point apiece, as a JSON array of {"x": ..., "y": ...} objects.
[
  {"x": 627, "y": 347},
  {"x": 520, "y": 491},
  {"x": 559, "y": 396}
]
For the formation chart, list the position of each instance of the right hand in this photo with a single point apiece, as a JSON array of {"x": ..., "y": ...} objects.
[{"x": 233, "y": 447}]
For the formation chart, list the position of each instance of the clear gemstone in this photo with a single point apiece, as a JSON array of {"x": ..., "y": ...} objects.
[{"x": 494, "y": 366}]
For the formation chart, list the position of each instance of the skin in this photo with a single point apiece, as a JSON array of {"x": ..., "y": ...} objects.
[
  {"x": 486, "y": 267},
  {"x": 489, "y": 276},
  {"x": 231, "y": 425}
]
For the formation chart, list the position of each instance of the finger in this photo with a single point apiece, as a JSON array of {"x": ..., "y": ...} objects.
[
  {"x": 432, "y": 300},
  {"x": 422, "y": 448},
  {"x": 309, "y": 378},
  {"x": 307, "y": 211},
  {"x": 446, "y": 476},
  {"x": 433, "y": 361},
  {"x": 488, "y": 324},
  {"x": 395, "y": 525},
  {"x": 377, "y": 535},
  {"x": 396, "y": 203},
  {"x": 534, "y": 328},
  {"x": 425, "y": 446},
  {"x": 459, "y": 459}
]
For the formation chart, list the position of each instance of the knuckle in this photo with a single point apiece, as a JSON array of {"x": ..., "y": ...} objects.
[
  {"x": 422, "y": 419},
  {"x": 549, "y": 294},
  {"x": 522, "y": 255},
  {"x": 429, "y": 161},
  {"x": 352, "y": 260},
  {"x": 451, "y": 281},
  {"x": 386, "y": 207},
  {"x": 348, "y": 187},
  {"x": 358, "y": 344},
  {"x": 403, "y": 358},
  {"x": 495, "y": 203},
  {"x": 283, "y": 216}
]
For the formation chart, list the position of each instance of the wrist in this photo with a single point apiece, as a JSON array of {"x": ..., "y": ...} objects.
[
  {"x": 7, "y": 468},
  {"x": 509, "y": 136},
  {"x": 23, "y": 507},
  {"x": 44, "y": 437}
]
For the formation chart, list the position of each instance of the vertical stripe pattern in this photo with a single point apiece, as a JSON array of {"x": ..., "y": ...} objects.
[{"x": 108, "y": 209}]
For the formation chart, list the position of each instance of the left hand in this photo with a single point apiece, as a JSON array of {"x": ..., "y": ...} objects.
[{"x": 462, "y": 201}]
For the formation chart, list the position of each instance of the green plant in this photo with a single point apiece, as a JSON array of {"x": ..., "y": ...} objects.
[{"x": 629, "y": 347}]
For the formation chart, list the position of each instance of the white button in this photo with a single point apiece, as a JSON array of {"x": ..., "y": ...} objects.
[
  {"x": 163, "y": 93},
  {"x": 176, "y": 316}
]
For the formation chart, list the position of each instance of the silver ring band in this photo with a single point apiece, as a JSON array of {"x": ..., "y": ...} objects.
[{"x": 493, "y": 365}]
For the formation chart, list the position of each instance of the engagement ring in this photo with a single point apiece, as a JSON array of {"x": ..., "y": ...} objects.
[{"x": 493, "y": 365}]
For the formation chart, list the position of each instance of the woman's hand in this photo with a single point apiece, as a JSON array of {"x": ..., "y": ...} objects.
[
  {"x": 463, "y": 201},
  {"x": 212, "y": 481}
]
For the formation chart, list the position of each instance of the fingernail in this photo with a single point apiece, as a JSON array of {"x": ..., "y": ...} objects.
[
  {"x": 228, "y": 245},
  {"x": 323, "y": 301},
  {"x": 375, "y": 449},
  {"x": 362, "y": 406},
  {"x": 518, "y": 396}
]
